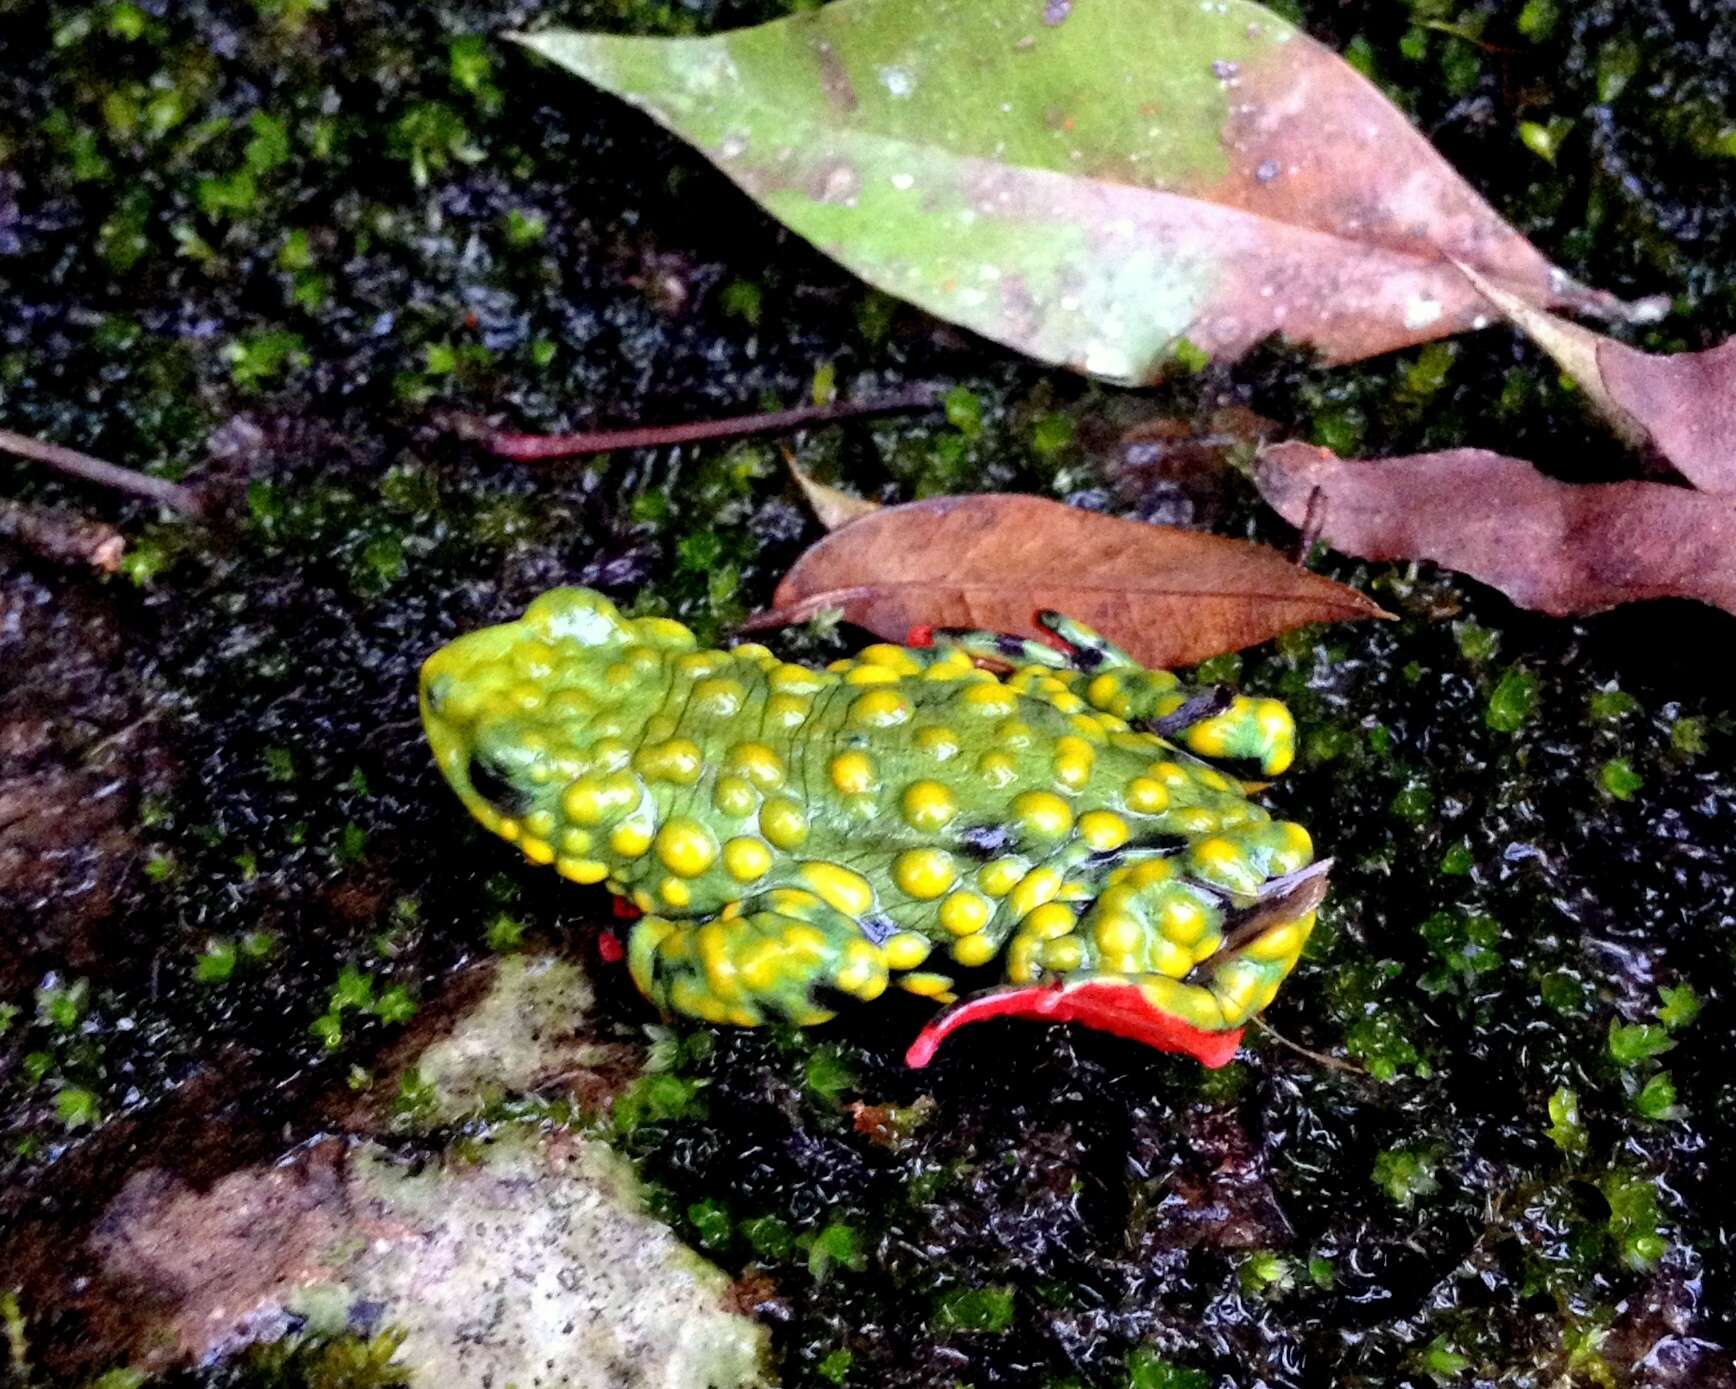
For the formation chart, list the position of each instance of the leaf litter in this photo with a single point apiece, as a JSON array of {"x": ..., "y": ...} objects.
[
  {"x": 1559, "y": 548},
  {"x": 1171, "y": 597},
  {"x": 1680, "y": 408}
]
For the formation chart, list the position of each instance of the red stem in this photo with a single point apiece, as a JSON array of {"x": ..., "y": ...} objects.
[{"x": 535, "y": 447}]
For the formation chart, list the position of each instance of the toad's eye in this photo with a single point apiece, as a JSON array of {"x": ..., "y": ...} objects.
[
  {"x": 436, "y": 692},
  {"x": 493, "y": 785}
]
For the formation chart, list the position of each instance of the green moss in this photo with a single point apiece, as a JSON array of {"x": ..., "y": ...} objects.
[
  {"x": 1441, "y": 1361},
  {"x": 1146, "y": 1369},
  {"x": 77, "y": 1107},
  {"x": 1513, "y": 701},
  {"x": 1688, "y": 736},
  {"x": 770, "y": 1239},
  {"x": 1564, "y": 992},
  {"x": 261, "y": 359},
  {"x": 324, "y": 1362},
  {"x": 1465, "y": 945},
  {"x": 1619, "y": 779},
  {"x": 1635, "y": 1222},
  {"x": 711, "y": 1224},
  {"x": 64, "y": 1006},
  {"x": 217, "y": 961},
  {"x": 837, "y": 1245},
  {"x": 429, "y": 137},
  {"x": 1565, "y": 1129},
  {"x": 1656, "y": 1099},
  {"x": 505, "y": 934},
  {"x": 1406, "y": 1175},
  {"x": 1678, "y": 1006},
  {"x": 987, "y": 1310},
  {"x": 1267, "y": 1274},
  {"x": 1611, "y": 704},
  {"x": 1631, "y": 1043},
  {"x": 1414, "y": 804},
  {"x": 656, "y": 1099},
  {"x": 827, "y": 1075}
]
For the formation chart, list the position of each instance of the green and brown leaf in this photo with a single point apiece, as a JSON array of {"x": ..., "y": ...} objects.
[{"x": 1094, "y": 184}]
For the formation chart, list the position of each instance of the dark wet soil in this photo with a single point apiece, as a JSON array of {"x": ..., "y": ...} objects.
[{"x": 265, "y": 247}]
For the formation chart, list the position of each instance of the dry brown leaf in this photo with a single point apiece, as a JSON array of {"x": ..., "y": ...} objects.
[
  {"x": 1551, "y": 546},
  {"x": 833, "y": 508},
  {"x": 1171, "y": 597},
  {"x": 1682, "y": 407}
]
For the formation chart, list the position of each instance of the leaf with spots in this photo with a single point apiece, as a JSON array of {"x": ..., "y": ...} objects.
[
  {"x": 1171, "y": 597},
  {"x": 1098, "y": 184},
  {"x": 1550, "y": 546}
]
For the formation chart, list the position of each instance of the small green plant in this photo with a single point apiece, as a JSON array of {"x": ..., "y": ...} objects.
[
  {"x": 1405, "y": 1175},
  {"x": 1634, "y": 1220},
  {"x": 1267, "y": 1274},
  {"x": 1678, "y": 1006},
  {"x": 1656, "y": 1099},
  {"x": 1565, "y": 1129},
  {"x": 1618, "y": 778},
  {"x": 838, "y": 1245},
  {"x": 711, "y": 1223},
  {"x": 1631, "y": 1043},
  {"x": 987, "y": 1310},
  {"x": 216, "y": 961},
  {"x": 77, "y": 1107},
  {"x": 827, "y": 1075},
  {"x": 63, "y": 1006},
  {"x": 1146, "y": 1369},
  {"x": 1513, "y": 701},
  {"x": 1441, "y": 1362}
]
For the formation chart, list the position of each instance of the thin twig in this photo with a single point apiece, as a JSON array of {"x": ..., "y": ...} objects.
[
  {"x": 82, "y": 465},
  {"x": 536, "y": 447},
  {"x": 1464, "y": 35},
  {"x": 1319, "y": 1058}
]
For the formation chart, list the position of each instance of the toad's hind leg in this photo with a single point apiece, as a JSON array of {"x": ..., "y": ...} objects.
[
  {"x": 1178, "y": 940},
  {"x": 778, "y": 960},
  {"x": 1175, "y": 952}
]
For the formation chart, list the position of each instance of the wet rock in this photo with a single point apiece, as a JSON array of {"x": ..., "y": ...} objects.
[
  {"x": 519, "y": 1025},
  {"x": 73, "y": 754},
  {"x": 523, "y": 1255},
  {"x": 1209, "y": 1190},
  {"x": 526, "y": 1259},
  {"x": 1655, "y": 1337}
]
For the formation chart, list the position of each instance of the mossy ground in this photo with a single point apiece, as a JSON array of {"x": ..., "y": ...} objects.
[{"x": 265, "y": 246}]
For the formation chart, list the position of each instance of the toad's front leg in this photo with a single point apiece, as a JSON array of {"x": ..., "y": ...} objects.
[
  {"x": 1208, "y": 721},
  {"x": 784, "y": 955}
]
